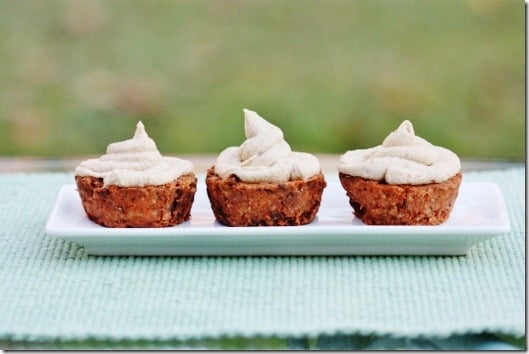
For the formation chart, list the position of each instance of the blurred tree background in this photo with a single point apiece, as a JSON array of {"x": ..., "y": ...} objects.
[{"x": 334, "y": 75}]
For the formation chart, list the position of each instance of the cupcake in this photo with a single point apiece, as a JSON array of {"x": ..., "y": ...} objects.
[
  {"x": 404, "y": 181},
  {"x": 133, "y": 185},
  {"x": 263, "y": 182}
]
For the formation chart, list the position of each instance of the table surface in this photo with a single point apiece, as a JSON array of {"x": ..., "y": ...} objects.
[{"x": 487, "y": 340}]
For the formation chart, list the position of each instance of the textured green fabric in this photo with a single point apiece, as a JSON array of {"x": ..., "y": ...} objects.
[{"x": 52, "y": 290}]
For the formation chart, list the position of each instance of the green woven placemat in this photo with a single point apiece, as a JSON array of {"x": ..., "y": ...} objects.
[{"x": 52, "y": 290}]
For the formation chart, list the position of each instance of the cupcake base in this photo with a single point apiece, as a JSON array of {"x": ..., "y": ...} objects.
[
  {"x": 236, "y": 203},
  {"x": 377, "y": 203},
  {"x": 149, "y": 206}
]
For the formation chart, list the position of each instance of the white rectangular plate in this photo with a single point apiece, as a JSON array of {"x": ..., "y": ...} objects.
[{"x": 479, "y": 214}]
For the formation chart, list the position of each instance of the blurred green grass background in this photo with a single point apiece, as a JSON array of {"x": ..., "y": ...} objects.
[{"x": 334, "y": 75}]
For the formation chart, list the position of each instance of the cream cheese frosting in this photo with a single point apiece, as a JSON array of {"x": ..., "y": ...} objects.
[
  {"x": 265, "y": 156},
  {"x": 403, "y": 158},
  {"x": 135, "y": 162}
]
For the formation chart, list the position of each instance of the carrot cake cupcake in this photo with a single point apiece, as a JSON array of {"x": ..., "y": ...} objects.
[
  {"x": 133, "y": 185},
  {"x": 263, "y": 182},
  {"x": 404, "y": 181}
]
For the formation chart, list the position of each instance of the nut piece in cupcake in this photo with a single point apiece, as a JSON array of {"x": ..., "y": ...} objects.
[
  {"x": 263, "y": 182},
  {"x": 133, "y": 185},
  {"x": 404, "y": 181}
]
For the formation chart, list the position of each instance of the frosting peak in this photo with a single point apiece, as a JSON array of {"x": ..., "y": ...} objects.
[
  {"x": 264, "y": 141},
  {"x": 402, "y": 158},
  {"x": 140, "y": 132},
  {"x": 135, "y": 162},
  {"x": 265, "y": 156},
  {"x": 140, "y": 143}
]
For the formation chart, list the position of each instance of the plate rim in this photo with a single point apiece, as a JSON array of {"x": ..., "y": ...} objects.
[{"x": 295, "y": 231}]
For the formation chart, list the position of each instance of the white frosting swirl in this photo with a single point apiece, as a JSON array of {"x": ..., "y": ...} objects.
[
  {"x": 135, "y": 162},
  {"x": 265, "y": 156},
  {"x": 403, "y": 158}
]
